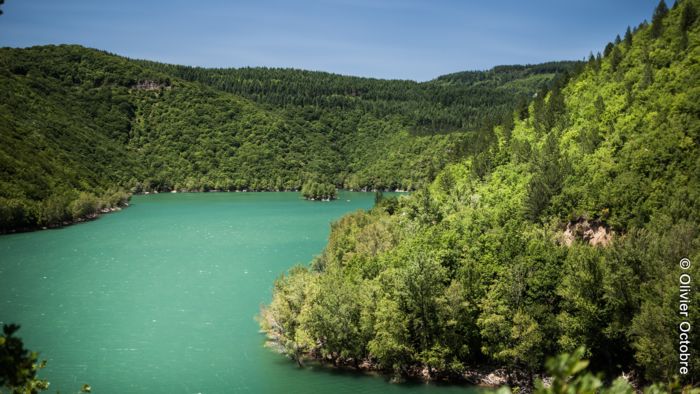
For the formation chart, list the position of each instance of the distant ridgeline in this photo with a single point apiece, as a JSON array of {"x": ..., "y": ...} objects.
[
  {"x": 564, "y": 228},
  {"x": 81, "y": 126}
]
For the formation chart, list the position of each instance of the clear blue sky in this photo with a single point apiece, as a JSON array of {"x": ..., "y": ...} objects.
[{"x": 404, "y": 39}]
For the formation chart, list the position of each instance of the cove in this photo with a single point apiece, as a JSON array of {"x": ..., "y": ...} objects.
[{"x": 161, "y": 297}]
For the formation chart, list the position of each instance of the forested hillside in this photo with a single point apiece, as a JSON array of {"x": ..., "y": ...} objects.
[
  {"x": 564, "y": 229},
  {"x": 80, "y": 127},
  {"x": 463, "y": 101},
  {"x": 65, "y": 116}
]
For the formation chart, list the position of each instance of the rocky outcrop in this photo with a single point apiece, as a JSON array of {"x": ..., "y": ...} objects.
[
  {"x": 592, "y": 232},
  {"x": 149, "y": 85}
]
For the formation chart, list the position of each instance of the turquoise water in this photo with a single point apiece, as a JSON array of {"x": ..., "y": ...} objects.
[{"x": 161, "y": 297}]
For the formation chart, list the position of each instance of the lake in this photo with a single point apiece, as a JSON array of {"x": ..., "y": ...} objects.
[{"x": 161, "y": 297}]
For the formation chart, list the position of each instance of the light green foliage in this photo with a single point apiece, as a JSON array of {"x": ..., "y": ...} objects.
[
  {"x": 390, "y": 341},
  {"x": 279, "y": 319},
  {"x": 332, "y": 312}
]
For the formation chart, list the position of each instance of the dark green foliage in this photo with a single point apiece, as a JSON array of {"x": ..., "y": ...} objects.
[
  {"x": 615, "y": 58},
  {"x": 628, "y": 37},
  {"x": 18, "y": 366},
  {"x": 608, "y": 49},
  {"x": 657, "y": 21},
  {"x": 388, "y": 204},
  {"x": 460, "y": 101},
  {"x": 688, "y": 16}
]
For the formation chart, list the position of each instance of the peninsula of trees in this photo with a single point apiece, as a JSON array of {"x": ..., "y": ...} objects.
[{"x": 562, "y": 229}]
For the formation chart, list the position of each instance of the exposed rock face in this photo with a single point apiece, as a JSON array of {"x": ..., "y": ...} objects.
[
  {"x": 595, "y": 233},
  {"x": 149, "y": 85}
]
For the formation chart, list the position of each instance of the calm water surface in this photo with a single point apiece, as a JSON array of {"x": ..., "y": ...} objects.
[{"x": 161, "y": 297}]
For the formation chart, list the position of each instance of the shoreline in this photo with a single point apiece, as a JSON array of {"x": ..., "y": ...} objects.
[
  {"x": 363, "y": 190},
  {"x": 483, "y": 376},
  {"x": 66, "y": 223},
  {"x": 105, "y": 211},
  {"x": 486, "y": 376}
]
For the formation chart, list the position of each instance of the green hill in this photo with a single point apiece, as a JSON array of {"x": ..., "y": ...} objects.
[
  {"x": 79, "y": 127},
  {"x": 564, "y": 229}
]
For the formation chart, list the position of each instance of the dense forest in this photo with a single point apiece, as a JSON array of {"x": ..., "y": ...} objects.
[
  {"x": 468, "y": 100},
  {"x": 563, "y": 230},
  {"x": 82, "y": 127}
]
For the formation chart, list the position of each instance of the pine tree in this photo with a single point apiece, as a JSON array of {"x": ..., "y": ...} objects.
[
  {"x": 608, "y": 49},
  {"x": 657, "y": 20},
  {"x": 596, "y": 64},
  {"x": 615, "y": 58},
  {"x": 688, "y": 16},
  {"x": 628, "y": 37},
  {"x": 547, "y": 181}
]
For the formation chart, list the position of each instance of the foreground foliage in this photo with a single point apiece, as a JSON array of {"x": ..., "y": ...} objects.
[
  {"x": 564, "y": 230},
  {"x": 569, "y": 376},
  {"x": 19, "y": 366}
]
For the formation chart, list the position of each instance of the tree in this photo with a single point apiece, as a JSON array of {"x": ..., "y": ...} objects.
[
  {"x": 281, "y": 318},
  {"x": 608, "y": 48},
  {"x": 615, "y": 58},
  {"x": 313, "y": 190},
  {"x": 329, "y": 322},
  {"x": 19, "y": 366},
  {"x": 460, "y": 334},
  {"x": 658, "y": 19},
  {"x": 424, "y": 281},
  {"x": 628, "y": 37},
  {"x": 688, "y": 15},
  {"x": 510, "y": 336},
  {"x": 390, "y": 344},
  {"x": 569, "y": 375},
  {"x": 547, "y": 180}
]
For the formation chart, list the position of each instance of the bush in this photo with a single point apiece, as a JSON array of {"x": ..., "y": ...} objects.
[{"x": 85, "y": 205}]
